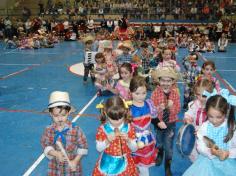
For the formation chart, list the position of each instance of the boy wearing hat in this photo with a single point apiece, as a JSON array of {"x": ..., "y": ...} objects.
[
  {"x": 63, "y": 131},
  {"x": 167, "y": 101},
  {"x": 126, "y": 47}
]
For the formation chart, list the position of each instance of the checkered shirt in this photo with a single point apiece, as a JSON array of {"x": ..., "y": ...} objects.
[
  {"x": 75, "y": 140},
  {"x": 158, "y": 97}
]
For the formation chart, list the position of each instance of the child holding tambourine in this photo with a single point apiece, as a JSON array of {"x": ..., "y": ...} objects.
[
  {"x": 196, "y": 113},
  {"x": 216, "y": 139}
]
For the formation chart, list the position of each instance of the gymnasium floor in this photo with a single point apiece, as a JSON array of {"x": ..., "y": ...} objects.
[{"x": 26, "y": 79}]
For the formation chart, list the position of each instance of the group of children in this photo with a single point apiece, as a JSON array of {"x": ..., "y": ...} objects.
[
  {"x": 124, "y": 139},
  {"x": 37, "y": 40}
]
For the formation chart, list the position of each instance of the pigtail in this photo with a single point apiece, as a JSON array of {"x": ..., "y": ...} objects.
[
  {"x": 231, "y": 123},
  {"x": 128, "y": 117},
  {"x": 103, "y": 117}
]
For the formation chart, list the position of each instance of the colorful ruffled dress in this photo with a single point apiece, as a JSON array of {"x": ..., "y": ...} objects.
[
  {"x": 142, "y": 117},
  {"x": 115, "y": 159}
]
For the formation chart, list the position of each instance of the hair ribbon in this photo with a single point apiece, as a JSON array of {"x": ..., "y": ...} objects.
[{"x": 231, "y": 99}]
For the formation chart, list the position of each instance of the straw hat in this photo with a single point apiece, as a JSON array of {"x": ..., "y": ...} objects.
[
  {"x": 88, "y": 38},
  {"x": 164, "y": 72},
  {"x": 59, "y": 98},
  {"x": 107, "y": 44},
  {"x": 125, "y": 44}
]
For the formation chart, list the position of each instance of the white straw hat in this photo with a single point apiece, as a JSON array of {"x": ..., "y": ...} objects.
[{"x": 59, "y": 98}]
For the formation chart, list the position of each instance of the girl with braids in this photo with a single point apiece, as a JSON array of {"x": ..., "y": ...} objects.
[
  {"x": 216, "y": 140},
  {"x": 115, "y": 139}
]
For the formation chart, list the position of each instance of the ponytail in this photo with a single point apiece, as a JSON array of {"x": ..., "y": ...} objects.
[{"x": 231, "y": 124}]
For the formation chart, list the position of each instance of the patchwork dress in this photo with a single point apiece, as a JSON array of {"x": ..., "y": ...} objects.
[{"x": 142, "y": 117}]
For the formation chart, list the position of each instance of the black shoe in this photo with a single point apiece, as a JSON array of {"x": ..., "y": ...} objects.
[
  {"x": 185, "y": 107},
  {"x": 159, "y": 156},
  {"x": 168, "y": 168}
]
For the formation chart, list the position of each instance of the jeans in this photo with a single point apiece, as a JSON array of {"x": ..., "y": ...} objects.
[
  {"x": 165, "y": 139},
  {"x": 87, "y": 69}
]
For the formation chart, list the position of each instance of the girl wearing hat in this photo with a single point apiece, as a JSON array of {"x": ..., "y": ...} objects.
[
  {"x": 166, "y": 99},
  {"x": 63, "y": 131}
]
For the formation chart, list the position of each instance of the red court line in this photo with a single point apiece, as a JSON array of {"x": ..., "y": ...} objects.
[
  {"x": 42, "y": 113},
  {"x": 17, "y": 73},
  {"x": 220, "y": 78}
]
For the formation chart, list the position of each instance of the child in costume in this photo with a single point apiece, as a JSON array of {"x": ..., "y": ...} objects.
[
  {"x": 192, "y": 70},
  {"x": 208, "y": 69},
  {"x": 216, "y": 140},
  {"x": 99, "y": 72},
  {"x": 222, "y": 43},
  {"x": 143, "y": 112},
  {"x": 70, "y": 136},
  {"x": 166, "y": 99},
  {"x": 196, "y": 113},
  {"x": 126, "y": 56},
  {"x": 167, "y": 60},
  {"x": 122, "y": 86},
  {"x": 115, "y": 139},
  {"x": 88, "y": 62},
  {"x": 171, "y": 44}
]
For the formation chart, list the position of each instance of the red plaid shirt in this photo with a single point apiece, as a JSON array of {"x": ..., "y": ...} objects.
[
  {"x": 75, "y": 141},
  {"x": 158, "y": 97}
]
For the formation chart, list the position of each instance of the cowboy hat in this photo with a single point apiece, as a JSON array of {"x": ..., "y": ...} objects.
[
  {"x": 164, "y": 72},
  {"x": 88, "y": 38},
  {"x": 125, "y": 44}
]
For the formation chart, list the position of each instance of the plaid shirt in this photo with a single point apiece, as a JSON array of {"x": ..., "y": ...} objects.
[
  {"x": 158, "y": 97},
  {"x": 191, "y": 72},
  {"x": 145, "y": 63},
  {"x": 75, "y": 143},
  {"x": 124, "y": 58}
]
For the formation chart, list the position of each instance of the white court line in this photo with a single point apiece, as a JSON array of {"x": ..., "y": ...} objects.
[
  {"x": 230, "y": 85},
  {"x": 42, "y": 156},
  {"x": 20, "y": 64}
]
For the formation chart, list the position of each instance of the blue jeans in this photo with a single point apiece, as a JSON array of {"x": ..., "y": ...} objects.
[{"x": 165, "y": 139}]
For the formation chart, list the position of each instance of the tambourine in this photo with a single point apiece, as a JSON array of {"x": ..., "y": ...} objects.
[{"x": 186, "y": 139}]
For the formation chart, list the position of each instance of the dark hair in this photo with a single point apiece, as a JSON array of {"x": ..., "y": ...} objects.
[
  {"x": 126, "y": 65},
  {"x": 66, "y": 108},
  {"x": 194, "y": 54},
  {"x": 100, "y": 55},
  {"x": 137, "y": 82},
  {"x": 205, "y": 83},
  {"x": 220, "y": 103},
  {"x": 209, "y": 62},
  {"x": 122, "y": 23},
  {"x": 144, "y": 45},
  {"x": 115, "y": 109}
]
